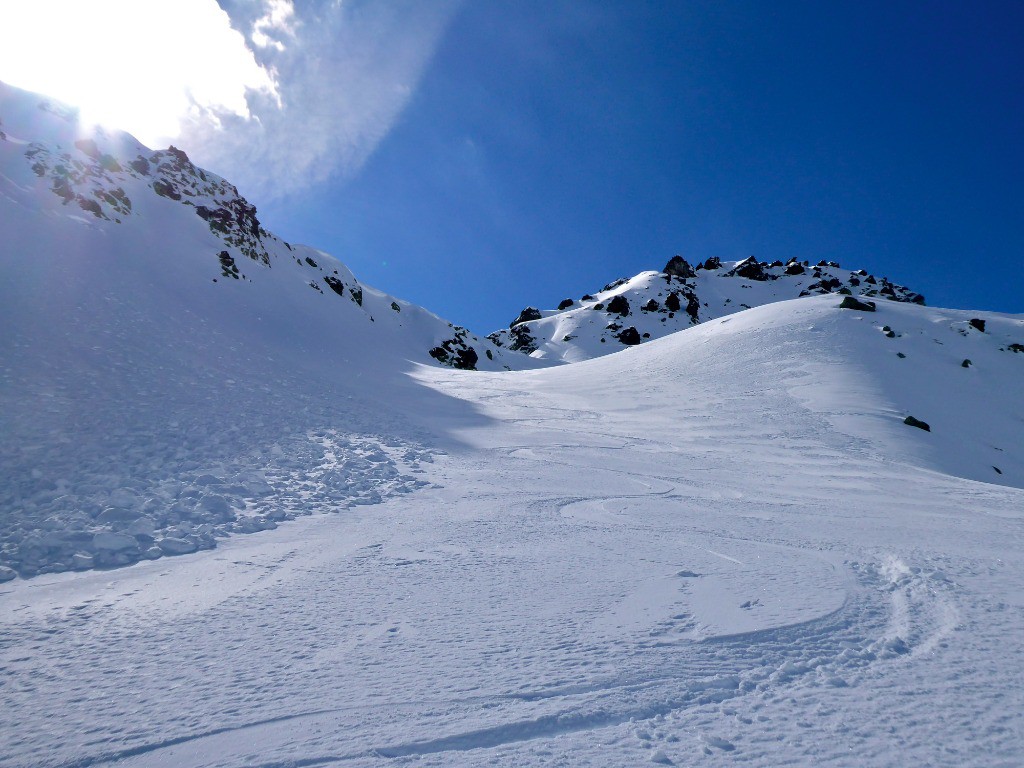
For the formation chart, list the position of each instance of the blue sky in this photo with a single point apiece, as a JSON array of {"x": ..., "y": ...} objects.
[
  {"x": 551, "y": 147},
  {"x": 476, "y": 156}
]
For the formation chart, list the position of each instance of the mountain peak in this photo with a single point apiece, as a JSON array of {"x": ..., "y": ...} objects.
[{"x": 659, "y": 303}]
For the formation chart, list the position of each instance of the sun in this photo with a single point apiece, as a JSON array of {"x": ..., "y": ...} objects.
[{"x": 142, "y": 67}]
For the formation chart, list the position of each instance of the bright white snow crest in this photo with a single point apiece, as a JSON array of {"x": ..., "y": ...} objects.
[{"x": 727, "y": 513}]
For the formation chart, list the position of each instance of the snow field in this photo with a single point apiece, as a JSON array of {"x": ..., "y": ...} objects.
[
  {"x": 705, "y": 569},
  {"x": 722, "y": 547}
]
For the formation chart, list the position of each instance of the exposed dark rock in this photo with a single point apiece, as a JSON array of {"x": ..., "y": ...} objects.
[
  {"x": 141, "y": 165},
  {"x": 900, "y": 355},
  {"x": 91, "y": 206},
  {"x": 997, "y": 469},
  {"x": 619, "y": 305},
  {"x": 179, "y": 155},
  {"x": 108, "y": 163},
  {"x": 396, "y": 307},
  {"x": 629, "y": 336},
  {"x": 357, "y": 295},
  {"x": 966, "y": 364},
  {"x": 586, "y": 297},
  {"x": 678, "y": 267},
  {"x": 455, "y": 352},
  {"x": 522, "y": 339},
  {"x": 672, "y": 303},
  {"x": 615, "y": 284},
  {"x": 861, "y": 306},
  {"x": 1016, "y": 347},
  {"x": 164, "y": 189},
  {"x": 651, "y": 306},
  {"x": 312, "y": 263},
  {"x": 794, "y": 268},
  {"x": 528, "y": 314},
  {"x": 910, "y": 421},
  {"x": 692, "y": 308},
  {"x": 466, "y": 359},
  {"x": 88, "y": 146},
  {"x": 978, "y": 324},
  {"x": 565, "y": 304},
  {"x": 713, "y": 263},
  {"x": 751, "y": 269},
  {"x": 599, "y": 305},
  {"x": 335, "y": 284},
  {"x": 228, "y": 268}
]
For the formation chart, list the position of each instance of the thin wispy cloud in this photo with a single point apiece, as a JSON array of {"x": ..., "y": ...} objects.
[
  {"x": 343, "y": 71},
  {"x": 143, "y": 67},
  {"x": 274, "y": 95}
]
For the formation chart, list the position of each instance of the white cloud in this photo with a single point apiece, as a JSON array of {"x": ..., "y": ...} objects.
[
  {"x": 273, "y": 96},
  {"x": 344, "y": 72},
  {"x": 278, "y": 20},
  {"x": 139, "y": 66}
]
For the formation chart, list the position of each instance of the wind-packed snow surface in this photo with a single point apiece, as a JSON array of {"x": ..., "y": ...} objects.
[{"x": 720, "y": 547}]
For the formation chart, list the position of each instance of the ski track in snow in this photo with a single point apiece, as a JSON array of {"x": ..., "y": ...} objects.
[
  {"x": 582, "y": 580},
  {"x": 647, "y": 679},
  {"x": 722, "y": 547}
]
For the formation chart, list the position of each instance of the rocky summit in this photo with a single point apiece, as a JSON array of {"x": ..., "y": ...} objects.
[{"x": 631, "y": 311}]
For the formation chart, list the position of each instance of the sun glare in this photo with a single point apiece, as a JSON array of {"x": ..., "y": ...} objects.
[{"x": 141, "y": 66}]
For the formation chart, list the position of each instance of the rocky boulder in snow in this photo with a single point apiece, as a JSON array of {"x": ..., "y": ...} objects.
[{"x": 678, "y": 267}]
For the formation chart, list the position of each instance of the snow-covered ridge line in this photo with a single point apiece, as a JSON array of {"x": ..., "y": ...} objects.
[
  {"x": 630, "y": 311},
  {"x": 107, "y": 178}
]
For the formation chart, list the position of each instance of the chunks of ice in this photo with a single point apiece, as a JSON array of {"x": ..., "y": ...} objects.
[
  {"x": 113, "y": 542},
  {"x": 171, "y": 545}
]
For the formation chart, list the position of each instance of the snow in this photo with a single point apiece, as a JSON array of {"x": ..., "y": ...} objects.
[
  {"x": 718, "y": 547},
  {"x": 599, "y": 324}
]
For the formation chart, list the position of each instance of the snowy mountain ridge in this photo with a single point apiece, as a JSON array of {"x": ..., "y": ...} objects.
[
  {"x": 144, "y": 297},
  {"x": 785, "y": 534},
  {"x": 103, "y": 179},
  {"x": 630, "y": 311}
]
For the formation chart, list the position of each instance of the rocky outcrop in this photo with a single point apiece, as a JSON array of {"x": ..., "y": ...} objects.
[
  {"x": 751, "y": 269},
  {"x": 910, "y": 421},
  {"x": 680, "y": 296},
  {"x": 678, "y": 267},
  {"x": 528, "y": 314},
  {"x": 619, "y": 305},
  {"x": 456, "y": 352},
  {"x": 861, "y": 306}
]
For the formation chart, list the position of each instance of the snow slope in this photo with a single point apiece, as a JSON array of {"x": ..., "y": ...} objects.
[
  {"x": 722, "y": 547},
  {"x": 630, "y": 311},
  {"x": 168, "y": 378}
]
